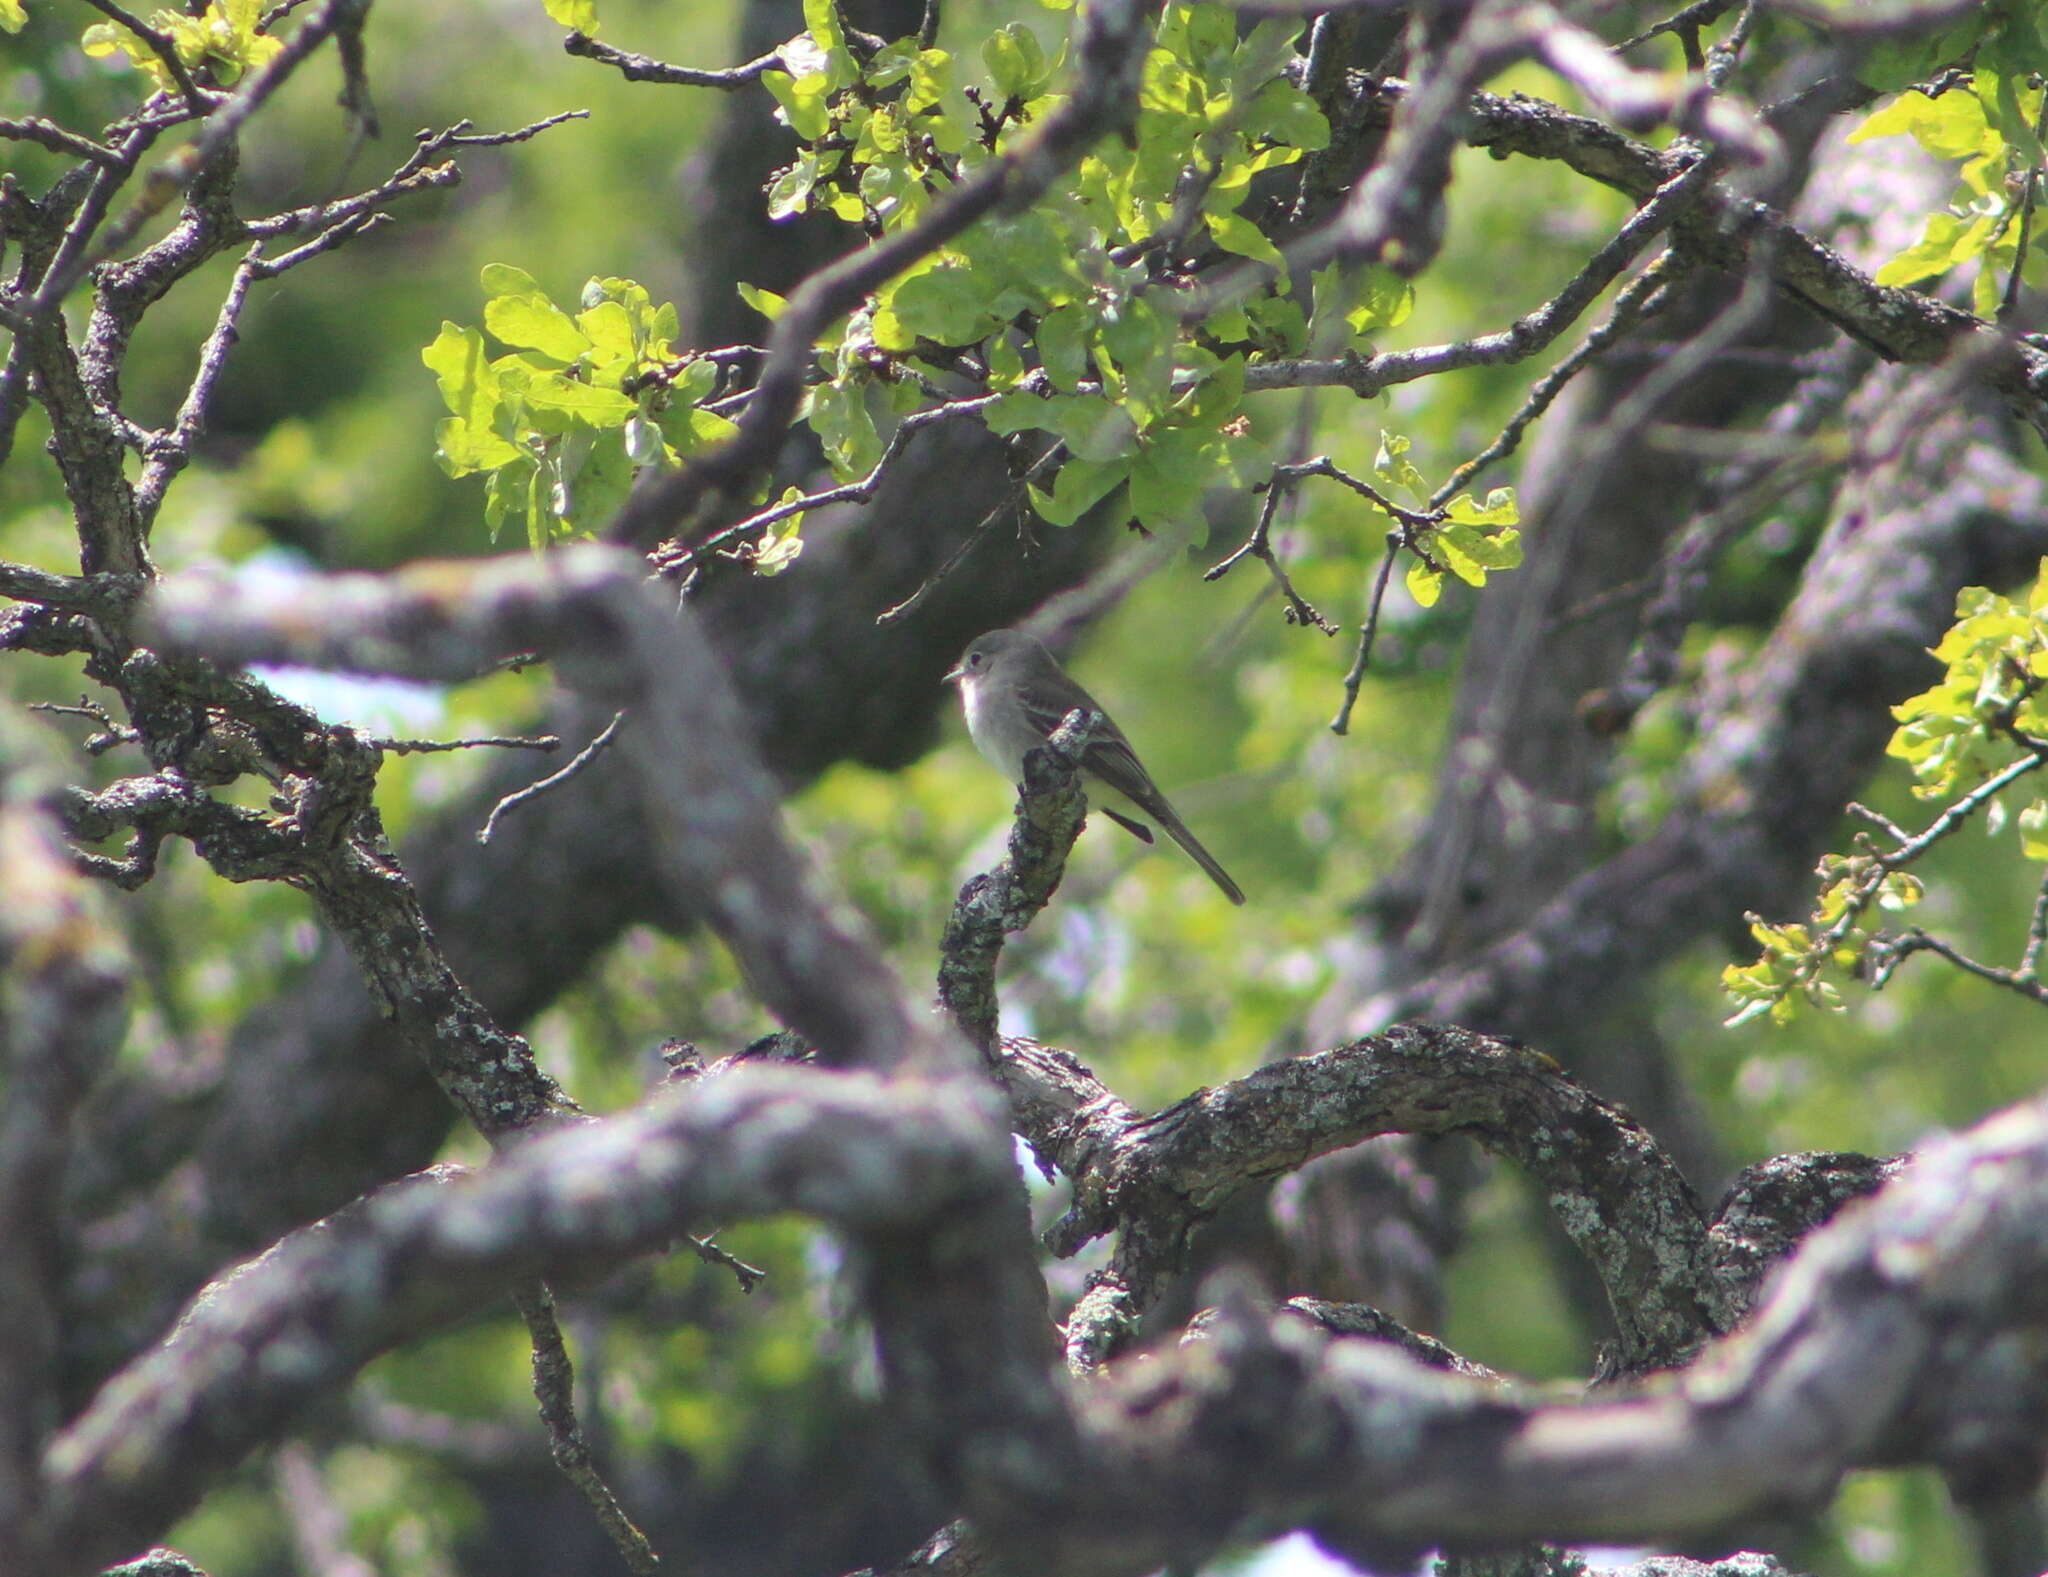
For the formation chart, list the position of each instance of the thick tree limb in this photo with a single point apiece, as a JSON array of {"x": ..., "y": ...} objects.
[
  {"x": 1897, "y": 1334},
  {"x": 882, "y": 1161},
  {"x": 712, "y": 815},
  {"x": 63, "y": 1007},
  {"x": 1785, "y": 743}
]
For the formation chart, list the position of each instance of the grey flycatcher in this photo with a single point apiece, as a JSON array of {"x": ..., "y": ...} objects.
[{"x": 1016, "y": 694}]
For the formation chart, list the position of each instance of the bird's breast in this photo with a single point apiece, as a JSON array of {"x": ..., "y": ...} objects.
[{"x": 998, "y": 745}]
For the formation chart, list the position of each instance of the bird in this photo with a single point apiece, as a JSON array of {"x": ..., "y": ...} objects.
[{"x": 1015, "y": 694}]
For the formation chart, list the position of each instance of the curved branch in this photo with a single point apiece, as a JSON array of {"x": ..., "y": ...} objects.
[
  {"x": 879, "y": 1160},
  {"x": 1156, "y": 1178},
  {"x": 1898, "y": 1334},
  {"x": 713, "y": 821}
]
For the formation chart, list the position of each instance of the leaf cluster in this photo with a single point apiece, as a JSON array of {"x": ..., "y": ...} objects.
[
  {"x": 224, "y": 40},
  {"x": 562, "y": 422},
  {"x": 1964, "y": 739},
  {"x": 1991, "y": 121}
]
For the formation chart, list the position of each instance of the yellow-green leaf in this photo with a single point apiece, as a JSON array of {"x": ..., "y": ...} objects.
[
  {"x": 579, "y": 15},
  {"x": 532, "y": 322}
]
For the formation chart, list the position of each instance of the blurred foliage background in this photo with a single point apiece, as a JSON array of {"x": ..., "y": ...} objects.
[{"x": 323, "y": 452}]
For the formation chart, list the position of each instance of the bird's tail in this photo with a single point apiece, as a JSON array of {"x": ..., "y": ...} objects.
[{"x": 1177, "y": 830}]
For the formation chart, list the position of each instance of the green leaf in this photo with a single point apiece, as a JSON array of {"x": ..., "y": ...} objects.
[
  {"x": 2013, "y": 111},
  {"x": 695, "y": 381},
  {"x": 1425, "y": 584},
  {"x": 839, "y": 416},
  {"x": 98, "y": 41},
  {"x": 1280, "y": 323},
  {"x": 1063, "y": 346},
  {"x": 537, "y": 519},
  {"x": 2033, "y": 822},
  {"x": 1168, "y": 88},
  {"x": 1262, "y": 54},
  {"x": 1202, "y": 35},
  {"x": 949, "y": 304},
  {"x": 505, "y": 492},
  {"x": 579, "y": 15},
  {"x": 805, "y": 102},
  {"x": 469, "y": 384},
  {"x": 1929, "y": 257},
  {"x": 1896, "y": 62},
  {"x": 1235, "y": 233},
  {"x": 580, "y": 402},
  {"x": 1215, "y": 399},
  {"x": 790, "y": 192},
  {"x": 532, "y": 322},
  {"x": 1168, "y": 479},
  {"x": 1498, "y": 510},
  {"x": 1394, "y": 467},
  {"x": 598, "y": 485},
  {"x": 1015, "y": 61},
  {"x": 781, "y": 543},
  {"x": 1137, "y": 341},
  {"x": 12, "y": 17},
  {"x": 608, "y": 329},
  {"x": 1282, "y": 112},
  {"x": 1385, "y": 300},
  {"x": 502, "y": 279},
  {"x": 1079, "y": 487},
  {"x": 2016, "y": 48},
  {"x": 1030, "y": 252},
  {"x": 1953, "y": 126},
  {"x": 1091, "y": 426},
  {"x": 821, "y": 21},
  {"x": 1229, "y": 325},
  {"x": 765, "y": 302},
  {"x": 461, "y": 447},
  {"x": 692, "y": 432},
  {"x": 1470, "y": 553}
]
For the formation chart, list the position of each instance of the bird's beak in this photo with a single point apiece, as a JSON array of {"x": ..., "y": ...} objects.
[{"x": 955, "y": 674}]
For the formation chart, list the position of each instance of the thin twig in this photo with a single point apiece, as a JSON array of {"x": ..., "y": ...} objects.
[
  {"x": 937, "y": 577},
  {"x": 110, "y": 732},
  {"x": 1955, "y": 814},
  {"x": 169, "y": 453},
  {"x": 2037, "y": 933},
  {"x": 1528, "y": 334},
  {"x": 583, "y": 758},
  {"x": 1259, "y": 545},
  {"x": 859, "y": 491},
  {"x": 216, "y": 132},
  {"x": 1410, "y": 519},
  {"x": 554, "y": 1379},
  {"x": 2010, "y": 305},
  {"x": 1640, "y": 299},
  {"x": 459, "y": 136},
  {"x": 706, "y": 1248},
  {"x": 1690, "y": 20},
  {"x": 1341, "y": 723},
  {"x": 1894, "y": 951},
  {"x": 164, "y": 50},
  {"x": 413, "y": 747},
  {"x": 66, "y": 264},
  {"x": 49, "y": 134},
  {"x": 645, "y": 68}
]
